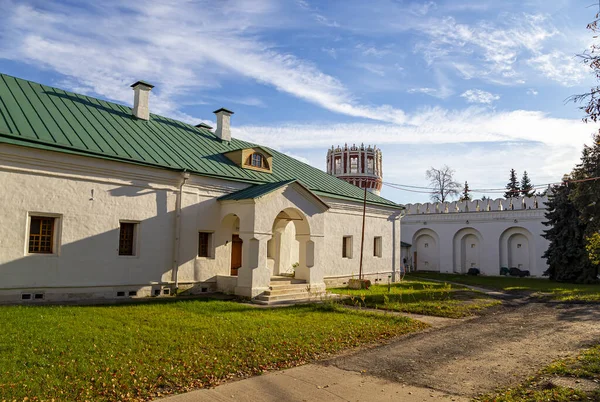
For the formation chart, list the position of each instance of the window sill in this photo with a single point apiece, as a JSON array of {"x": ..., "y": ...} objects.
[
  {"x": 42, "y": 255},
  {"x": 128, "y": 257},
  {"x": 204, "y": 258}
]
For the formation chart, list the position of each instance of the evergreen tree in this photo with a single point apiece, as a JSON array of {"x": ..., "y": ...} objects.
[
  {"x": 465, "y": 195},
  {"x": 586, "y": 197},
  {"x": 566, "y": 255},
  {"x": 526, "y": 186},
  {"x": 512, "y": 188},
  {"x": 586, "y": 189}
]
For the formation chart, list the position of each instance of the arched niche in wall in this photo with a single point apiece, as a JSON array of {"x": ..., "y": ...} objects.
[
  {"x": 517, "y": 249},
  {"x": 426, "y": 251},
  {"x": 467, "y": 245}
]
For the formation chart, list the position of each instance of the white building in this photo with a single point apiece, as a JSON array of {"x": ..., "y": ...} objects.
[
  {"x": 100, "y": 200},
  {"x": 488, "y": 235}
]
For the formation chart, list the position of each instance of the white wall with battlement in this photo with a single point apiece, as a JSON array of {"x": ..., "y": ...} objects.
[{"x": 485, "y": 234}]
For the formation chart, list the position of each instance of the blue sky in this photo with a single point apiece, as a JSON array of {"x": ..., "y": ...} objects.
[{"x": 478, "y": 85}]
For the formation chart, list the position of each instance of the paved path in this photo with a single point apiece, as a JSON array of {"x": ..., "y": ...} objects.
[{"x": 455, "y": 360}]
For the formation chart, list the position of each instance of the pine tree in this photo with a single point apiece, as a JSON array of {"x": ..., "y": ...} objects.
[
  {"x": 526, "y": 186},
  {"x": 566, "y": 256},
  {"x": 465, "y": 195},
  {"x": 512, "y": 188}
]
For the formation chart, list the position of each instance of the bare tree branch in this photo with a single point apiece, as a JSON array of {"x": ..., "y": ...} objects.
[{"x": 443, "y": 184}]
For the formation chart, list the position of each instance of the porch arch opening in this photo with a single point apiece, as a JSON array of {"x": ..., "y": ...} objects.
[{"x": 289, "y": 251}]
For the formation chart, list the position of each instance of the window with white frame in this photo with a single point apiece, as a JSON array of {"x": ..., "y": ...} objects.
[
  {"x": 377, "y": 246},
  {"x": 42, "y": 234},
  {"x": 347, "y": 247}
]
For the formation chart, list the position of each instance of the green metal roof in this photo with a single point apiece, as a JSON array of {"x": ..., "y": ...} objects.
[
  {"x": 254, "y": 191},
  {"x": 48, "y": 118},
  {"x": 403, "y": 244}
]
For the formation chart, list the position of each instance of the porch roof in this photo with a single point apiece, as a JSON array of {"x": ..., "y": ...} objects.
[{"x": 254, "y": 191}]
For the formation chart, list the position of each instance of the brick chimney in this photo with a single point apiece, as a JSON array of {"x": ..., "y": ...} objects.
[
  {"x": 141, "y": 91},
  {"x": 223, "y": 130}
]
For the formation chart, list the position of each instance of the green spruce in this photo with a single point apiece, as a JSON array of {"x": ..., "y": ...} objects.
[
  {"x": 526, "y": 186},
  {"x": 465, "y": 194},
  {"x": 512, "y": 188},
  {"x": 566, "y": 256}
]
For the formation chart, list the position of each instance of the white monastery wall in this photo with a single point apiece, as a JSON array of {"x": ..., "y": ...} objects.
[{"x": 453, "y": 237}]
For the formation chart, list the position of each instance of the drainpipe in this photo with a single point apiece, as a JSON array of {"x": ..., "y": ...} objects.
[{"x": 184, "y": 176}]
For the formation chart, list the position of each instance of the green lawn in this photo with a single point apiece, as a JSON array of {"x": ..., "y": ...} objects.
[
  {"x": 141, "y": 351},
  {"x": 543, "y": 287},
  {"x": 584, "y": 366},
  {"x": 421, "y": 297}
]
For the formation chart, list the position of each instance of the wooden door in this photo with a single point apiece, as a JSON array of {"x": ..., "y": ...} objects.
[
  {"x": 415, "y": 262},
  {"x": 236, "y": 254}
]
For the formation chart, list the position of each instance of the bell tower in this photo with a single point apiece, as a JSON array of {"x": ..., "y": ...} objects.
[{"x": 361, "y": 166}]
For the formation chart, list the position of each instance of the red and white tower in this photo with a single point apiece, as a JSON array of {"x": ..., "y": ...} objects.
[{"x": 357, "y": 165}]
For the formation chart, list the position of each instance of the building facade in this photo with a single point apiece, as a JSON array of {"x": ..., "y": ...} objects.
[
  {"x": 100, "y": 200},
  {"x": 488, "y": 235},
  {"x": 361, "y": 166}
]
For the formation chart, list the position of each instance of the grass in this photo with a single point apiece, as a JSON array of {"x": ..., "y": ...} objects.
[
  {"x": 420, "y": 297},
  {"x": 539, "y": 387},
  {"x": 541, "y": 287},
  {"x": 139, "y": 352}
]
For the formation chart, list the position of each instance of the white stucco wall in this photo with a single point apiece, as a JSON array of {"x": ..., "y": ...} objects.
[
  {"x": 345, "y": 219},
  {"x": 483, "y": 235},
  {"x": 89, "y": 197}
]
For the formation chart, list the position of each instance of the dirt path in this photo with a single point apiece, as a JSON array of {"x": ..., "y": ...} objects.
[
  {"x": 454, "y": 360},
  {"x": 475, "y": 356}
]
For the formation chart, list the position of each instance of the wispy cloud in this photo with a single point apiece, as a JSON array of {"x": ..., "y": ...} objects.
[
  {"x": 479, "y": 96},
  {"x": 499, "y": 45},
  {"x": 430, "y": 126},
  {"x": 148, "y": 47},
  {"x": 320, "y": 18},
  {"x": 559, "y": 67}
]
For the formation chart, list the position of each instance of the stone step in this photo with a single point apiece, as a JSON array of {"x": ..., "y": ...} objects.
[
  {"x": 285, "y": 296},
  {"x": 285, "y": 291},
  {"x": 287, "y": 282},
  {"x": 310, "y": 299},
  {"x": 299, "y": 286}
]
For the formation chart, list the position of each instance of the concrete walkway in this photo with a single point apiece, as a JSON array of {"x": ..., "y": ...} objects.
[{"x": 314, "y": 382}]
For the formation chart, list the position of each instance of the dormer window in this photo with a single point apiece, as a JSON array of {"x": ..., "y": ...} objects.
[{"x": 257, "y": 160}]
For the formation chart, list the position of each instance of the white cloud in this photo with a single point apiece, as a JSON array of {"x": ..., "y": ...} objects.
[
  {"x": 421, "y": 9},
  {"x": 116, "y": 44},
  {"x": 559, "y": 67},
  {"x": 430, "y": 126},
  {"x": 373, "y": 68},
  {"x": 532, "y": 92},
  {"x": 498, "y": 47},
  {"x": 443, "y": 91},
  {"x": 372, "y": 51},
  {"x": 479, "y": 96}
]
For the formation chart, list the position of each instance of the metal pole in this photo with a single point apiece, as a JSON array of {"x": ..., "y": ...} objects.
[{"x": 362, "y": 239}]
